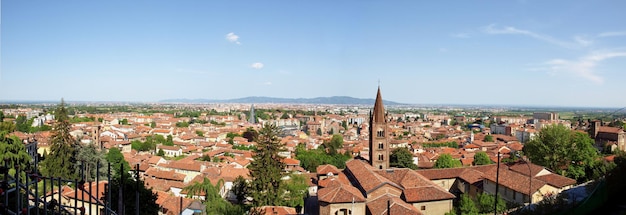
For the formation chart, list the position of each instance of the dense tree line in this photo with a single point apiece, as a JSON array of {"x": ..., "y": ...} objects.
[{"x": 451, "y": 144}]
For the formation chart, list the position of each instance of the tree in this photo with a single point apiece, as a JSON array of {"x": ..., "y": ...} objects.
[
  {"x": 115, "y": 158},
  {"x": 21, "y": 123},
  {"x": 12, "y": 151},
  {"x": 486, "y": 201},
  {"x": 1, "y": 116},
  {"x": 147, "y": 198},
  {"x": 285, "y": 116},
  {"x": 62, "y": 158},
  {"x": 267, "y": 168},
  {"x": 335, "y": 143},
  {"x": 161, "y": 153},
  {"x": 169, "y": 141},
  {"x": 250, "y": 134},
  {"x": 467, "y": 206},
  {"x": 90, "y": 157},
  {"x": 240, "y": 189},
  {"x": 319, "y": 131},
  {"x": 401, "y": 158},
  {"x": 152, "y": 124},
  {"x": 199, "y": 133},
  {"x": 446, "y": 161},
  {"x": 295, "y": 190},
  {"x": 124, "y": 122},
  {"x": 481, "y": 158},
  {"x": 488, "y": 138},
  {"x": 7, "y": 126},
  {"x": 569, "y": 153}
]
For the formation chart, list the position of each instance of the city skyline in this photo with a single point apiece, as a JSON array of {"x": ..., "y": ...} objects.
[{"x": 559, "y": 53}]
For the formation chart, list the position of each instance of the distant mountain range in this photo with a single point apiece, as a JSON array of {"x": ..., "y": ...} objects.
[{"x": 339, "y": 100}]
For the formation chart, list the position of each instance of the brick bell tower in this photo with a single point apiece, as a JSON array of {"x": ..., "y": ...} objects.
[{"x": 378, "y": 143}]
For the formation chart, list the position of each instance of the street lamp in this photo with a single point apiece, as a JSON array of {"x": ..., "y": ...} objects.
[{"x": 495, "y": 202}]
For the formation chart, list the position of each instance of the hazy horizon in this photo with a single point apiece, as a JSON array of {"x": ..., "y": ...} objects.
[{"x": 515, "y": 53}]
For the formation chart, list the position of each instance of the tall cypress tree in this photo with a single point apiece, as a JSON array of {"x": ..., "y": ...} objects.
[
  {"x": 62, "y": 158},
  {"x": 267, "y": 168}
]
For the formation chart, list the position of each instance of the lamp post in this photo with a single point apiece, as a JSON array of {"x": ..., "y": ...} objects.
[{"x": 530, "y": 181}]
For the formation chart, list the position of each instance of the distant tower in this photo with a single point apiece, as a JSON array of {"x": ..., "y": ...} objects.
[
  {"x": 252, "y": 118},
  {"x": 379, "y": 144}
]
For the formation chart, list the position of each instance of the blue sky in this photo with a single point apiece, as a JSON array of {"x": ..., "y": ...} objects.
[{"x": 556, "y": 53}]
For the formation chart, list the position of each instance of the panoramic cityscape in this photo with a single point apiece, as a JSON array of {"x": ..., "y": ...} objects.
[{"x": 334, "y": 108}]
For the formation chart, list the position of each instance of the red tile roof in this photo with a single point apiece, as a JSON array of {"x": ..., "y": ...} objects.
[
  {"x": 340, "y": 193},
  {"x": 396, "y": 206}
]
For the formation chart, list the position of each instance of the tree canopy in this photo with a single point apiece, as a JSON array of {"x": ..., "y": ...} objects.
[
  {"x": 481, "y": 158},
  {"x": 488, "y": 138},
  {"x": 569, "y": 153},
  {"x": 267, "y": 168},
  {"x": 446, "y": 161},
  {"x": 467, "y": 206},
  {"x": 12, "y": 151},
  {"x": 62, "y": 158},
  {"x": 402, "y": 158}
]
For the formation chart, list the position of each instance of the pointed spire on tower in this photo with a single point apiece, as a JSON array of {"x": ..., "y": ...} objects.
[
  {"x": 379, "y": 109},
  {"x": 252, "y": 118}
]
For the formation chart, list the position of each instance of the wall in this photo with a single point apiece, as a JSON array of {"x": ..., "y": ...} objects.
[{"x": 434, "y": 207}]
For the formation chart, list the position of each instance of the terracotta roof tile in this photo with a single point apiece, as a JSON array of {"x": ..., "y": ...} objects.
[
  {"x": 396, "y": 205},
  {"x": 340, "y": 193}
]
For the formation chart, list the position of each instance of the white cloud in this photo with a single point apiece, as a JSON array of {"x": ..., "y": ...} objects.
[
  {"x": 579, "y": 41},
  {"x": 583, "y": 41},
  {"x": 583, "y": 67},
  {"x": 267, "y": 83},
  {"x": 612, "y": 34},
  {"x": 257, "y": 65},
  {"x": 233, "y": 38}
]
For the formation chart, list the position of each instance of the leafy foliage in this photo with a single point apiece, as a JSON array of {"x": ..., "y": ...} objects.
[
  {"x": 310, "y": 159},
  {"x": 467, "y": 206},
  {"x": 250, "y": 134},
  {"x": 62, "y": 158},
  {"x": 90, "y": 158},
  {"x": 446, "y": 161},
  {"x": 481, "y": 158},
  {"x": 267, "y": 168},
  {"x": 295, "y": 190},
  {"x": 402, "y": 158},
  {"x": 486, "y": 201},
  {"x": 444, "y": 144},
  {"x": 569, "y": 153},
  {"x": 240, "y": 189},
  {"x": 147, "y": 198},
  {"x": 335, "y": 143},
  {"x": 488, "y": 138},
  {"x": 12, "y": 151},
  {"x": 115, "y": 158}
]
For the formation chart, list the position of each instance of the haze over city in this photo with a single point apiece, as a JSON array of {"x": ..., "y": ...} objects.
[{"x": 556, "y": 53}]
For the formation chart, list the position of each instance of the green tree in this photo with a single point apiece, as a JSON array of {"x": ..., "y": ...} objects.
[
  {"x": 169, "y": 141},
  {"x": 481, "y": 158},
  {"x": 89, "y": 157},
  {"x": 1, "y": 116},
  {"x": 488, "y": 138},
  {"x": 335, "y": 143},
  {"x": 267, "y": 168},
  {"x": 569, "y": 153},
  {"x": 446, "y": 161},
  {"x": 115, "y": 158},
  {"x": 153, "y": 124},
  {"x": 199, "y": 133},
  {"x": 319, "y": 131},
  {"x": 467, "y": 206},
  {"x": 285, "y": 116},
  {"x": 250, "y": 134},
  {"x": 124, "y": 122},
  {"x": 13, "y": 151},
  {"x": 62, "y": 158},
  {"x": 212, "y": 198},
  {"x": 240, "y": 189},
  {"x": 486, "y": 201},
  {"x": 147, "y": 198},
  {"x": 7, "y": 126},
  {"x": 401, "y": 158},
  {"x": 21, "y": 123},
  {"x": 295, "y": 190}
]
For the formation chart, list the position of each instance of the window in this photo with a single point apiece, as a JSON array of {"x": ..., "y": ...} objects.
[
  {"x": 380, "y": 145},
  {"x": 343, "y": 211},
  {"x": 380, "y": 157},
  {"x": 423, "y": 207},
  {"x": 380, "y": 133}
]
